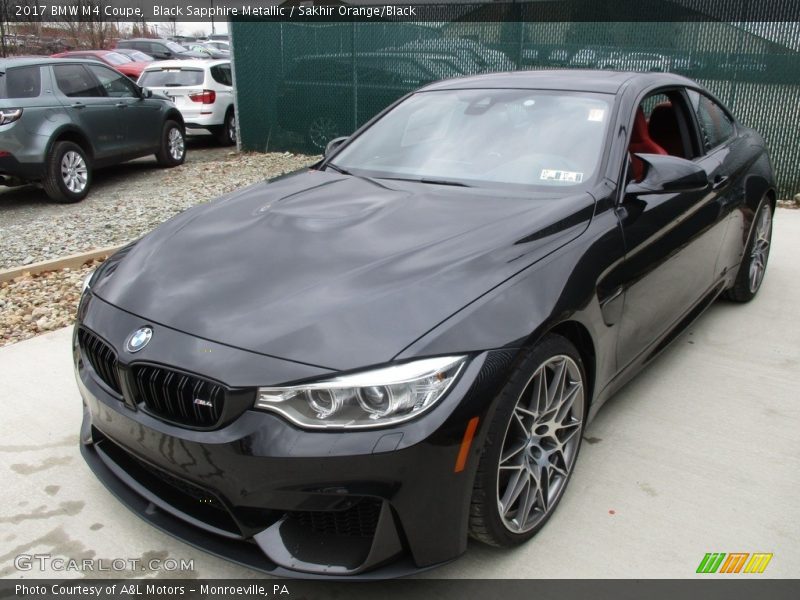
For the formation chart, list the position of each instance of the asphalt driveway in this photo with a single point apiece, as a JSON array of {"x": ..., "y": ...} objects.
[{"x": 700, "y": 453}]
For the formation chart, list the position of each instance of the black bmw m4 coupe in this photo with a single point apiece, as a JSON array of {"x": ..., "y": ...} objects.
[{"x": 349, "y": 370}]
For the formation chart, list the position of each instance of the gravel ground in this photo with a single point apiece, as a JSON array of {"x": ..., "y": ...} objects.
[
  {"x": 33, "y": 304},
  {"x": 126, "y": 201}
]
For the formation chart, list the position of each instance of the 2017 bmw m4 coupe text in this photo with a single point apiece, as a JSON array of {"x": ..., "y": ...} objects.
[{"x": 346, "y": 371}]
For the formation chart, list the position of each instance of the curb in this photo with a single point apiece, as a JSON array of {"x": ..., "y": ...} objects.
[{"x": 72, "y": 261}]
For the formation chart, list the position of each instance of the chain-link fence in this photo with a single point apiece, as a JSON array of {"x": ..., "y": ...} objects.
[{"x": 300, "y": 85}]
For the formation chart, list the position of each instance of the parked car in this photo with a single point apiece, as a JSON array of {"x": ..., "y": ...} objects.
[
  {"x": 218, "y": 44},
  {"x": 348, "y": 370},
  {"x": 159, "y": 49},
  {"x": 315, "y": 96},
  {"x": 62, "y": 118},
  {"x": 122, "y": 63},
  {"x": 637, "y": 61},
  {"x": 558, "y": 57},
  {"x": 202, "y": 90},
  {"x": 208, "y": 51},
  {"x": 587, "y": 58},
  {"x": 475, "y": 57},
  {"x": 135, "y": 55}
]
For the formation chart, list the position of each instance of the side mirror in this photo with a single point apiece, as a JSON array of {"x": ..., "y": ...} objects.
[
  {"x": 334, "y": 144},
  {"x": 147, "y": 92},
  {"x": 668, "y": 175}
]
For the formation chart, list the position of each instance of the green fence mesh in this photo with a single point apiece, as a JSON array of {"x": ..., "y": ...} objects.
[{"x": 300, "y": 85}]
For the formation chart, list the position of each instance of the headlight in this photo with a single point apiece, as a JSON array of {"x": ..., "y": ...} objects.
[{"x": 370, "y": 399}]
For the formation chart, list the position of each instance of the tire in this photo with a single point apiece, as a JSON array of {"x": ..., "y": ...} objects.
[
  {"x": 172, "y": 151},
  {"x": 68, "y": 173},
  {"x": 226, "y": 134},
  {"x": 496, "y": 517},
  {"x": 754, "y": 261}
]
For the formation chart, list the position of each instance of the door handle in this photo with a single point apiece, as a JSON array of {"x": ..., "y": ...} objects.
[
  {"x": 78, "y": 105},
  {"x": 121, "y": 105},
  {"x": 719, "y": 181}
]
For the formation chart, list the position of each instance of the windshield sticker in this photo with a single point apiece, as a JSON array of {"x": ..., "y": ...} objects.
[
  {"x": 597, "y": 114},
  {"x": 563, "y": 176}
]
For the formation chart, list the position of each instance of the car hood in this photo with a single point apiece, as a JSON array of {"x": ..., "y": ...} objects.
[{"x": 332, "y": 270}]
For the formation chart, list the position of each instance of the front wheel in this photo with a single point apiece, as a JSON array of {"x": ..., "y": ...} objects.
[
  {"x": 68, "y": 174},
  {"x": 172, "y": 151},
  {"x": 531, "y": 445},
  {"x": 754, "y": 262}
]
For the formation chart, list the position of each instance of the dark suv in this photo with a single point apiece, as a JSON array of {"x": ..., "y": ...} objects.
[
  {"x": 160, "y": 49},
  {"x": 61, "y": 118}
]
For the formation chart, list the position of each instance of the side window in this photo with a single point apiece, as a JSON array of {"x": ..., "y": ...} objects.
[
  {"x": 221, "y": 74},
  {"x": 115, "y": 84},
  {"x": 226, "y": 74},
  {"x": 75, "y": 81},
  {"x": 23, "y": 82},
  {"x": 660, "y": 127},
  {"x": 716, "y": 126}
]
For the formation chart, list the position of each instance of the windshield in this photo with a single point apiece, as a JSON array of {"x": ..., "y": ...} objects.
[
  {"x": 175, "y": 47},
  {"x": 485, "y": 138},
  {"x": 115, "y": 58},
  {"x": 171, "y": 77}
]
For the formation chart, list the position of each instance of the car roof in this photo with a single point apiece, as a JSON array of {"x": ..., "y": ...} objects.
[
  {"x": 583, "y": 80},
  {"x": 191, "y": 62},
  {"x": 5, "y": 63}
]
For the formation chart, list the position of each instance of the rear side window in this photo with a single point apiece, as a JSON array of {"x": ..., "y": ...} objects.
[
  {"x": 171, "y": 77},
  {"x": 222, "y": 74},
  {"x": 21, "y": 82},
  {"x": 75, "y": 81},
  {"x": 716, "y": 127},
  {"x": 115, "y": 84}
]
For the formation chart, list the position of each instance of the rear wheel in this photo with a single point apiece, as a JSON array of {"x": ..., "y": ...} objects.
[
  {"x": 531, "y": 446},
  {"x": 754, "y": 262},
  {"x": 172, "y": 151},
  {"x": 226, "y": 134},
  {"x": 67, "y": 173}
]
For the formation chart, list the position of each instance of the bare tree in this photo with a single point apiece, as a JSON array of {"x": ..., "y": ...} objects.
[
  {"x": 93, "y": 29},
  {"x": 3, "y": 26}
]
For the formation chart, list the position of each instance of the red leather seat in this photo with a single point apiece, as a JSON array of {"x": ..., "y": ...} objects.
[
  {"x": 641, "y": 142},
  {"x": 663, "y": 128}
]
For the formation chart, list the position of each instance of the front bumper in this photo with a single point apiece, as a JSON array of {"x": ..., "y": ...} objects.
[{"x": 261, "y": 492}]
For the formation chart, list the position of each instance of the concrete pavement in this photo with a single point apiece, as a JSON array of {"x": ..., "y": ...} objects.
[{"x": 700, "y": 453}]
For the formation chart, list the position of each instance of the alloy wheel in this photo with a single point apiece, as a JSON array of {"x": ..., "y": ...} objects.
[
  {"x": 760, "y": 250},
  {"x": 175, "y": 143},
  {"x": 540, "y": 444},
  {"x": 321, "y": 131},
  {"x": 74, "y": 172}
]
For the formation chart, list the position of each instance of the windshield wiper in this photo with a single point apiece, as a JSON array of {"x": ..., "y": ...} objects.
[
  {"x": 337, "y": 168},
  {"x": 430, "y": 180},
  {"x": 444, "y": 182}
]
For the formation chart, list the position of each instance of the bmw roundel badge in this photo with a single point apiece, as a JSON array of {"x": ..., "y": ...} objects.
[{"x": 138, "y": 339}]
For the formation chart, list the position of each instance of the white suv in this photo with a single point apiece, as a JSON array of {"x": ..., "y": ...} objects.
[{"x": 202, "y": 91}]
